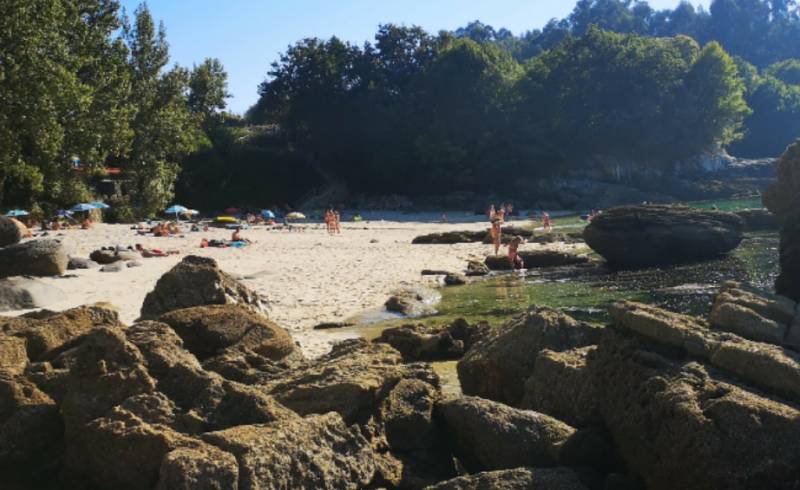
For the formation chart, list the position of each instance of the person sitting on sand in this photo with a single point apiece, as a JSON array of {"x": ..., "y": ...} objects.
[
  {"x": 237, "y": 236},
  {"x": 86, "y": 224},
  {"x": 56, "y": 225},
  {"x": 513, "y": 255}
]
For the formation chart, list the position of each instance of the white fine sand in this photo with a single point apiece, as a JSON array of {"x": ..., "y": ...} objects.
[{"x": 307, "y": 278}]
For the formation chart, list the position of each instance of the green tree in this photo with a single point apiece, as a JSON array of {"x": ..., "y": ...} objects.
[
  {"x": 164, "y": 128},
  {"x": 208, "y": 90}
]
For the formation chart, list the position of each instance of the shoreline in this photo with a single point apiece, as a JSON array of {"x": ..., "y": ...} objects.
[{"x": 307, "y": 277}]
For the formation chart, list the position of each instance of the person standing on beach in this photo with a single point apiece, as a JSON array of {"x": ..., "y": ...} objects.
[
  {"x": 337, "y": 222},
  {"x": 546, "y": 224},
  {"x": 496, "y": 230}
]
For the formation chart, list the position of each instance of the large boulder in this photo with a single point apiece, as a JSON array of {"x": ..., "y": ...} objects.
[
  {"x": 198, "y": 468},
  {"x": 197, "y": 281},
  {"x": 407, "y": 415},
  {"x": 486, "y": 435},
  {"x": 33, "y": 258},
  {"x": 498, "y": 366},
  {"x": 648, "y": 235},
  {"x": 352, "y": 380},
  {"x": 679, "y": 425},
  {"x": 49, "y": 334},
  {"x": 562, "y": 386},
  {"x": 10, "y": 233},
  {"x": 207, "y": 330},
  {"x": 783, "y": 200},
  {"x": 516, "y": 479},
  {"x": 22, "y": 293},
  {"x": 318, "y": 451}
]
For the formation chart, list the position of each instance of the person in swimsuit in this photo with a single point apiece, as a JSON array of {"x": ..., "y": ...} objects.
[
  {"x": 548, "y": 226},
  {"x": 337, "y": 222},
  {"x": 496, "y": 231},
  {"x": 513, "y": 254}
]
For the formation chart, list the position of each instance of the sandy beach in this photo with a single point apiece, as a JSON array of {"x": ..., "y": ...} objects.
[{"x": 307, "y": 277}]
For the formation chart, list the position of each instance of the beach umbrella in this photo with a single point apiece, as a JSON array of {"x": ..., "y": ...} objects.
[
  {"x": 267, "y": 214},
  {"x": 82, "y": 207},
  {"x": 16, "y": 212},
  {"x": 191, "y": 212},
  {"x": 296, "y": 215},
  {"x": 63, "y": 213},
  {"x": 99, "y": 205},
  {"x": 176, "y": 209}
]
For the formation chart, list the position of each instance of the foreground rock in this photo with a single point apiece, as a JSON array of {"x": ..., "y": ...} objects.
[
  {"x": 34, "y": 258},
  {"x": 756, "y": 315},
  {"x": 649, "y": 235},
  {"x": 487, "y": 435},
  {"x": 10, "y": 233},
  {"x": 352, "y": 380},
  {"x": 498, "y": 366},
  {"x": 197, "y": 281},
  {"x": 450, "y": 237},
  {"x": 563, "y": 386},
  {"x": 20, "y": 293},
  {"x": 783, "y": 200},
  {"x": 315, "y": 452},
  {"x": 52, "y": 333},
  {"x": 516, "y": 479},
  {"x": 414, "y": 301},
  {"x": 208, "y": 330},
  {"x": 422, "y": 343},
  {"x": 679, "y": 426},
  {"x": 536, "y": 259}
]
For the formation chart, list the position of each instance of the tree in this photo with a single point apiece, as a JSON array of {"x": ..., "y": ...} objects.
[
  {"x": 165, "y": 130},
  {"x": 62, "y": 87},
  {"x": 208, "y": 89}
]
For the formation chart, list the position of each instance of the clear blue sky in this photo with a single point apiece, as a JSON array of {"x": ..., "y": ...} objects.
[{"x": 248, "y": 35}]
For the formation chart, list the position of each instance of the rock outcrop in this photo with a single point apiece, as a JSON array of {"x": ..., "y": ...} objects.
[
  {"x": 208, "y": 330},
  {"x": 648, "y": 235},
  {"x": 534, "y": 259},
  {"x": 10, "y": 233},
  {"x": 783, "y": 200},
  {"x": 351, "y": 380},
  {"x": 424, "y": 343},
  {"x": 498, "y": 366},
  {"x": 33, "y": 258},
  {"x": 197, "y": 281},
  {"x": 487, "y": 435},
  {"x": 319, "y": 451},
  {"x": 758, "y": 220},
  {"x": 516, "y": 479}
]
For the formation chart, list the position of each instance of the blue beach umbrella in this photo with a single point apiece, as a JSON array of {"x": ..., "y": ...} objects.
[
  {"x": 99, "y": 205},
  {"x": 14, "y": 213},
  {"x": 267, "y": 214},
  {"x": 176, "y": 209},
  {"x": 63, "y": 213},
  {"x": 82, "y": 207}
]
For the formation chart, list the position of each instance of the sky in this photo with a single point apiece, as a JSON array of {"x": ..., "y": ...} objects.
[{"x": 248, "y": 35}]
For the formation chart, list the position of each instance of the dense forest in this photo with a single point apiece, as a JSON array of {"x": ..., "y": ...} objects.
[{"x": 478, "y": 109}]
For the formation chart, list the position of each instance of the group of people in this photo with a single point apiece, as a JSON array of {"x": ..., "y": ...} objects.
[
  {"x": 333, "y": 221},
  {"x": 164, "y": 229}
]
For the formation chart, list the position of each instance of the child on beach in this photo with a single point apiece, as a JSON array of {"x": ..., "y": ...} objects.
[{"x": 513, "y": 254}]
